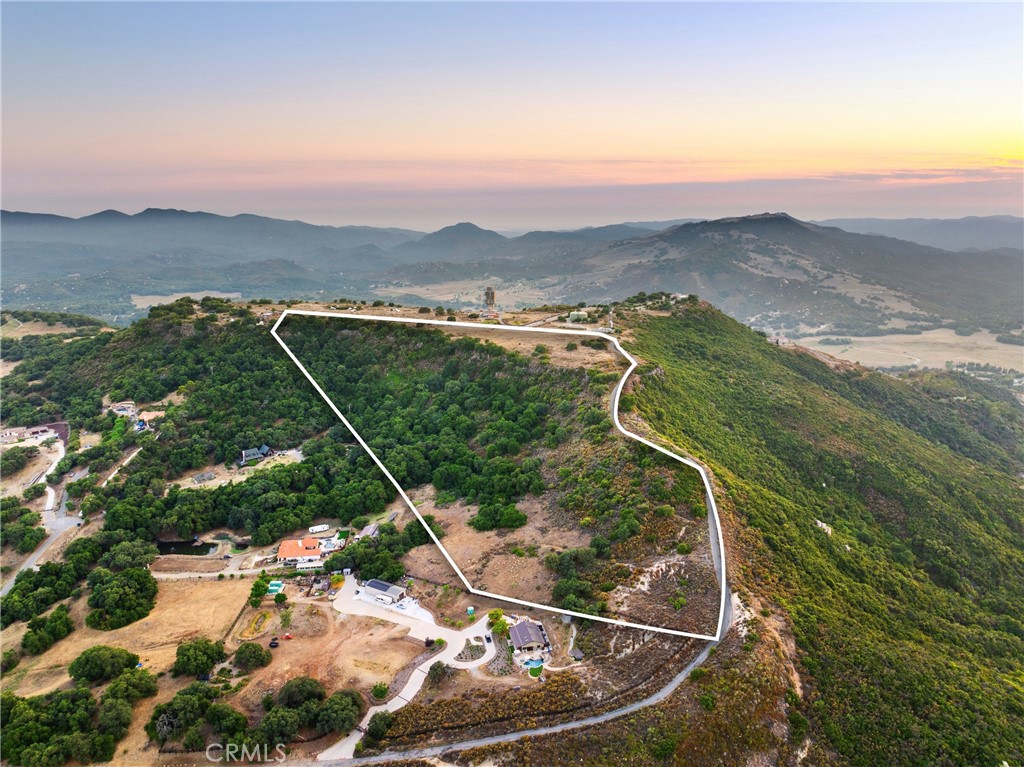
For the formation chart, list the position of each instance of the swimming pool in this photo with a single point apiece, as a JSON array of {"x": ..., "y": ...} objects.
[{"x": 533, "y": 663}]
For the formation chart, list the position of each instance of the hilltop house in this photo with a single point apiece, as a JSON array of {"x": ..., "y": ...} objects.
[
  {"x": 255, "y": 454},
  {"x": 297, "y": 552},
  {"x": 527, "y": 636}
]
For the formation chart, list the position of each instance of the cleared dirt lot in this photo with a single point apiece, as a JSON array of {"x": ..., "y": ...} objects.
[
  {"x": 6, "y": 366},
  {"x": 606, "y": 360},
  {"x": 930, "y": 349},
  {"x": 215, "y": 475},
  {"x": 34, "y": 471},
  {"x": 183, "y": 563},
  {"x": 340, "y": 651},
  {"x": 487, "y": 558}
]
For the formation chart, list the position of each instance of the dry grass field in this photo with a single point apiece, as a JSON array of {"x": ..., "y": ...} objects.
[
  {"x": 17, "y": 329},
  {"x": 184, "y": 610},
  {"x": 34, "y": 471},
  {"x": 931, "y": 349}
]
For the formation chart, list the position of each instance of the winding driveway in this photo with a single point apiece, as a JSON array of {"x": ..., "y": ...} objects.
[
  {"x": 55, "y": 520},
  {"x": 421, "y": 626}
]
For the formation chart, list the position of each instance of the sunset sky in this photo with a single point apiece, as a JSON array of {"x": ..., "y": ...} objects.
[{"x": 513, "y": 116}]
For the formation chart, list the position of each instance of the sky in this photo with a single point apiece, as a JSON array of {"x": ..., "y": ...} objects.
[{"x": 513, "y": 116}]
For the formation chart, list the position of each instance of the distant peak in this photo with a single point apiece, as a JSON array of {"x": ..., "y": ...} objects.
[
  {"x": 760, "y": 217},
  {"x": 465, "y": 229},
  {"x": 464, "y": 226},
  {"x": 153, "y": 212},
  {"x": 108, "y": 213}
]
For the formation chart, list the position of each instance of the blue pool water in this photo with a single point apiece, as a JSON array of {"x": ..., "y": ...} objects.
[{"x": 533, "y": 663}]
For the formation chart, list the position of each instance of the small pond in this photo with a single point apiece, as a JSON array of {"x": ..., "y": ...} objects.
[{"x": 185, "y": 547}]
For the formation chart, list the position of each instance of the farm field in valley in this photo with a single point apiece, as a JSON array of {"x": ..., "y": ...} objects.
[{"x": 932, "y": 349}]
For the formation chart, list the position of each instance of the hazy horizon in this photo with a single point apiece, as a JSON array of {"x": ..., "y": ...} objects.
[
  {"x": 505, "y": 231},
  {"x": 513, "y": 116}
]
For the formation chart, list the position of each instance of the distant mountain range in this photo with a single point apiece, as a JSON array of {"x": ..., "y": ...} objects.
[
  {"x": 971, "y": 233},
  {"x": 770, "y": 270}
]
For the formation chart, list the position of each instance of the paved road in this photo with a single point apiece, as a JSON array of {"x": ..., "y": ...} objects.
[
  {"x": 55, "y": 520},
  {"x": 124, "y": 463}
]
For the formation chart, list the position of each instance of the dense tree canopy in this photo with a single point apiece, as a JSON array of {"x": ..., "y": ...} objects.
[{"x": 120, "y": 598}]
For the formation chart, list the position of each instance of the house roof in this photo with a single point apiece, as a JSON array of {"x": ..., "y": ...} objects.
[
  {"x": 396, "y": 592},
  {"x": 303, "y": 547},
  {"x": 576, "y": 654},
  {"x": 264, "y": 449},
  {"x": 250, "y": 453},
  {"x": 524, "y": 633},
  {"x": 371, "y": 530}
]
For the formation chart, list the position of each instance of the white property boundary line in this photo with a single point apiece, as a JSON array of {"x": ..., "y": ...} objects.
[{"x": 719, "y": 571}]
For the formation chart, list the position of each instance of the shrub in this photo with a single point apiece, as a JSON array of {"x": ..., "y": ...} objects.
[
  {"x": 280, "y": 725},
  {"x": 251, "y": 655},
  {"x": 44, "y": 631},
  {"x": 132, "y": 685},
  {"x": 340, "y": 712},
  {"x": 101, "y": 663},
  {"x": 379, "y": 725},
  {"x": 34, "y": 491},
  {"x": 379, "y": 690},
  {"x": 438, "y": 672},
  {"x": 198, "y": 656},
  {"x": 299, "y": 690},
  {"x": 664, "y": 749}
]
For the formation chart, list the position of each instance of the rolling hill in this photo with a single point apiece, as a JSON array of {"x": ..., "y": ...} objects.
[
  {"x": 769, "y": 270},
  {"x": 970, "y": 233},
  {"x": 873, "y": 525}
]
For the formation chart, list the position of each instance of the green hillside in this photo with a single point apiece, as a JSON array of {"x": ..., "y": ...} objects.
[{"x": 910, "y": 615}]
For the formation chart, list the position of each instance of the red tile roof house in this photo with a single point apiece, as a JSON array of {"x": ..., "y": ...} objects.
[{"x": 299, "y": 551}]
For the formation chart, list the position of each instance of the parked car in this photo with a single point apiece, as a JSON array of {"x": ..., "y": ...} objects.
[
  {"x": 274, "y": 643},
  {"x": 487, "y": 638}
]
